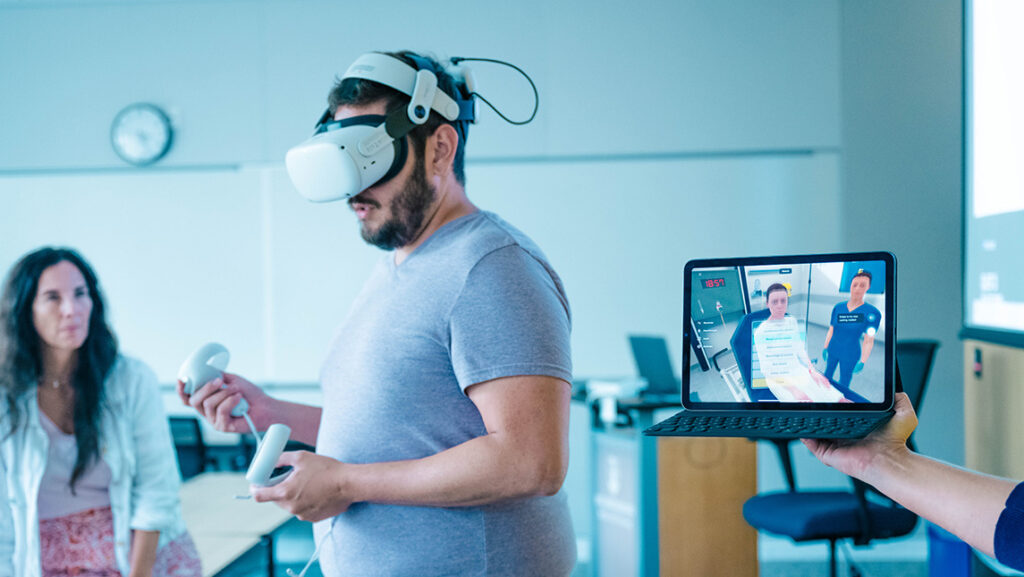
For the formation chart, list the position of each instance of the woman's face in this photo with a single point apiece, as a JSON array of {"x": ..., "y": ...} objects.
[
  {"x": 62, "y": 307},
  {"x": 778, "y": 302}
]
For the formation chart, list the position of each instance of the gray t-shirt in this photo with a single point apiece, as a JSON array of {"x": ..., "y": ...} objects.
[{"x": 476, "y": 301}]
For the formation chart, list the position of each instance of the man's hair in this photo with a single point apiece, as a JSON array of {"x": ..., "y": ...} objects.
[
  {"x": 360, "y": 92},
  {"x": 863, "y": 273},
  {"x": 775, "y": 287}
]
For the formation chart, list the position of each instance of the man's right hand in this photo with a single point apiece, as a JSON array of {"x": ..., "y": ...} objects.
[{"x": 215, "y": 400}]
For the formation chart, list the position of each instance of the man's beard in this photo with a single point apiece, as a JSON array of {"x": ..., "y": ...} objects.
[{"x": 407, "y": 209}]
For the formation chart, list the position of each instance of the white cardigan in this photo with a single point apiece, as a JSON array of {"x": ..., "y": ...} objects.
[{"x": 135, "y": 442}]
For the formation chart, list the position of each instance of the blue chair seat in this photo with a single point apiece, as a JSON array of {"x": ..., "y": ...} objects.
[{"x": 816, "y": 515}]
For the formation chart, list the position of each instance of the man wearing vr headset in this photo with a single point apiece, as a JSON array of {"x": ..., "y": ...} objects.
[{"x": 443, "y": 441}]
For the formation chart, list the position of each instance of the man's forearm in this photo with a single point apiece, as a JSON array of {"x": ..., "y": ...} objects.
[
  {"x": 963, "y": 502},
  {"x": 303, "y": 420},
  {"x": 483, "y": 470}
]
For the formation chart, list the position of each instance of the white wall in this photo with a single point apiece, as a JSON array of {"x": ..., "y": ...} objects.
[
  {"x": 902, "y": 159},
  {"x": 245, "y": 79},
  {"x": 667, "y": 131}
]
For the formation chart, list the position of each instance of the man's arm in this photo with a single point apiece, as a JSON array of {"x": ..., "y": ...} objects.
[
  {"x": 215, "y": 400},
  {"x": 963, "y": 502},
  {"x": 524, "y": 454}
]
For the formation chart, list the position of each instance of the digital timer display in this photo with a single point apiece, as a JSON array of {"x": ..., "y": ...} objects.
[{"x": 714, "y": 282}]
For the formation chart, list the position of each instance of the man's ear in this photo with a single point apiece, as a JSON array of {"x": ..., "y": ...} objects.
[{"x": 443, "y": 143}]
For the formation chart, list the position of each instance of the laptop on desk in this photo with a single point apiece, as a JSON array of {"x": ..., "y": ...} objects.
[
  {"x": 787, "y": 347},
  {"x": 654, "y": 363}
]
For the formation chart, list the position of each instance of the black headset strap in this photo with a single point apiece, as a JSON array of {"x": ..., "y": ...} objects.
[
  {"x": 326, "y": 124},
  {"x": 397, "y": 123}
]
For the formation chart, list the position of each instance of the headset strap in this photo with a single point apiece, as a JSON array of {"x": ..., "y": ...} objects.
[{"x": 395, "y": 73}]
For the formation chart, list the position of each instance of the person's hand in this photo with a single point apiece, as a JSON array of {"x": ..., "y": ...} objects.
[
  {"x": 853, "y": 457},
  {"x": 824, "y": 354},
  {"x": 858, "y": 367},
  {"x": 215, "y": 400},
  {"x": 314, "y": 489},
  {"x": 819, "y": 378}
]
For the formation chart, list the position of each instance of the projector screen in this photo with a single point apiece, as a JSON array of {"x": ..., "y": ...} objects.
[{"x": 993, "y": 305}]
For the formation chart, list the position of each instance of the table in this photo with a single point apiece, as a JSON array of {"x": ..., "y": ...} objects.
[{"x": 225, "y": 528}]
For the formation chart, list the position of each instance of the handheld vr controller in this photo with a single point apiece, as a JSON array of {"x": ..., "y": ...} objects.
[
  {"x": 207, "y": 363},
  {"x": 262, "y": 471}
]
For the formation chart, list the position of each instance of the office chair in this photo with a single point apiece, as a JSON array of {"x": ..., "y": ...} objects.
[
  {"x": 189, "y": 444},
  {"x": 832, "y": 515},
  {"x": 740, "y": 343},
  {"x": 915, "y": 359}
]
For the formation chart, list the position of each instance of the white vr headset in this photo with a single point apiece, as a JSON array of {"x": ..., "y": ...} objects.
[{"x": 345, "y": 157}]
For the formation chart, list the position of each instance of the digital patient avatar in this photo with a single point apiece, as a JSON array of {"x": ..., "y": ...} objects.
[{"x": 780, "y": 362}]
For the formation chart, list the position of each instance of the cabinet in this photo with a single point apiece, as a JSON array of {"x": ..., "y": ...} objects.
[
  {"x": 993, "y": 400},
  {"x": 671, "y": 506}
]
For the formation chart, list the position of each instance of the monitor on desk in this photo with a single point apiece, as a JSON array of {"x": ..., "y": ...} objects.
[{"x": 654, "y": 364}]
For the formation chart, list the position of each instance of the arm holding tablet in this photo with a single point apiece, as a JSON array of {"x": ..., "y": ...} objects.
[{"x": 984, "y": 511}]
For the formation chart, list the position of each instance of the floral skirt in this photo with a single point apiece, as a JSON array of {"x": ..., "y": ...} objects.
[{"x": 82, "y": 545}]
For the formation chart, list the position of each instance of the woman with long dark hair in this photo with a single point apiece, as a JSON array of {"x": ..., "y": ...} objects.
[{"x": 88, "y": 476}]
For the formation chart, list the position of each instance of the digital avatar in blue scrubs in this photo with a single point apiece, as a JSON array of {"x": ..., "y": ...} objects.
[{"x": 850, "y": 321}]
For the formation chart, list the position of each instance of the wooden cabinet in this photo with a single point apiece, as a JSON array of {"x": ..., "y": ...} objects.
[
  {"x": 702, "y": 485},
  {"x": 993, "y": 405},
  {"x": 671, "y": 506}
]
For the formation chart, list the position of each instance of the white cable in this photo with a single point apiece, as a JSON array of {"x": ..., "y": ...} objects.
[
  {"x": 316, "y": 553},
  {"x": 252, "y": 427}
]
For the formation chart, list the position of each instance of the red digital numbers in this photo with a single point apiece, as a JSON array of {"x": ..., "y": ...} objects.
[{"x": 714, "y": 282}]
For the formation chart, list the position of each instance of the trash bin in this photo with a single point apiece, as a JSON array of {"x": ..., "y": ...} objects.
[{"x": 948, "y": 556}]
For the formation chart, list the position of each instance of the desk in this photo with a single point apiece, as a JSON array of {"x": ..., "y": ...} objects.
[
  {"x": 669, "y": 506},
  {"x": 225, "y": 528},
  {"x": 217, "y": 552}
]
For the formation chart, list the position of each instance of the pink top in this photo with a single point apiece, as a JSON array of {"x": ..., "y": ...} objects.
[{"x": 55, "y": 498}]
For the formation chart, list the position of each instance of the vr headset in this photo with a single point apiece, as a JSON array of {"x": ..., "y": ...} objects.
[{"x": 345, "y": 157}]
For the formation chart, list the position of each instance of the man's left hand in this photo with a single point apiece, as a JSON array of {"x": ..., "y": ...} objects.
[
  {"x": 313, "y": 489},
  {"x": 858, "y": 367}
]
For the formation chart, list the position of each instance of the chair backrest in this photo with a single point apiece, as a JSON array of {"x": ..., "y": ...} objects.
[
  {"x": 915, "y": 358},
  {"x": 740, "y": 343},
  {"x": 189, "y": 444}
]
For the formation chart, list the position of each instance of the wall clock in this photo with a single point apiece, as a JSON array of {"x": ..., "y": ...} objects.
[{"x": 141, "y": 134}]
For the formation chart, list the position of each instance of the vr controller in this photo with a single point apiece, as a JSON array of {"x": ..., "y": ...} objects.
[
  {"x": 262, "y": 471},
  {"x": 207, "y": 363}
]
